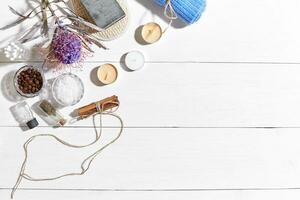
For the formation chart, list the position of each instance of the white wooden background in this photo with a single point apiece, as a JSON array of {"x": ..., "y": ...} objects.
[{"x": 215, "y": 113}]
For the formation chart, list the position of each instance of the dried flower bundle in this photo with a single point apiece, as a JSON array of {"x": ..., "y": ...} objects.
[
  {"x": 66, "y": 46},
  {"x": 66, "y": 50}
]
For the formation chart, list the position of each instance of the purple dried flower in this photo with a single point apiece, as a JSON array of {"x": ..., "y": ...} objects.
[{"x": 66, "y": 46}]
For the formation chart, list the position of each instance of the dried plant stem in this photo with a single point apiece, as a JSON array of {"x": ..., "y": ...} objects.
[{"x": 47, "y": 9}]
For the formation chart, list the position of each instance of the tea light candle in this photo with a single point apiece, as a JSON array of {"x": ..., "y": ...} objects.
[
  {"x": 107, "y": 74},
  {"x": 151, "y": 32},
  {"x": 134, "y": 60}
]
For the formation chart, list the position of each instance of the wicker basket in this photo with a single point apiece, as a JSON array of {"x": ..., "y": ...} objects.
[{"x": 110, "y": 33}]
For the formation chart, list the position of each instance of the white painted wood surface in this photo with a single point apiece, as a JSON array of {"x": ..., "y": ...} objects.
[{"x": 213, "y": 115}]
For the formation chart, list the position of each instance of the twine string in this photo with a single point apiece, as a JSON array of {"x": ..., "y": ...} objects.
[
  {"x": 85, "y": 165},
  {"x": 169, "y": 13}
]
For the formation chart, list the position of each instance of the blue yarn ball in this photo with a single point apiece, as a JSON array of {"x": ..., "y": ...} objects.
[{"x": 189, "y": 11}]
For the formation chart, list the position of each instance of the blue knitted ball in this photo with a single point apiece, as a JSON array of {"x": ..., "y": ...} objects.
[{"x": 188, "y": 11}]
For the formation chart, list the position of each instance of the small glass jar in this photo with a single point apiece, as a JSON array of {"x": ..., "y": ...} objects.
[
  {"x": 67, "y": 89},
  {"x": 51, "y": 113},
  {"x": 31, "y": 81},
  {"x": 24, "y": 115}
]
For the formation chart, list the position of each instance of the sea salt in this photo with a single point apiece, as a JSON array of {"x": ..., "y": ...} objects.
[{"x": 68, "y": 89}]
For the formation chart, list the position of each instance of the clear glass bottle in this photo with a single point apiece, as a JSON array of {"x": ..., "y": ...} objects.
[
  {"x": 51, "y": 113},
  {"x": 24, "y": 115}
]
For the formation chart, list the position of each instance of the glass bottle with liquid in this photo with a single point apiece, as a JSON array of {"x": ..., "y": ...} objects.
[{"x": 52, "y": 114}]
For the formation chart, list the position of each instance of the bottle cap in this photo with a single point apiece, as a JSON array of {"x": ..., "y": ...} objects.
[{"x": 32, "y": 123}]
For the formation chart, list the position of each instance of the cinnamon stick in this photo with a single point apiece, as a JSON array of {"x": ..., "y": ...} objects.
[{"x": 105, "y": 104}]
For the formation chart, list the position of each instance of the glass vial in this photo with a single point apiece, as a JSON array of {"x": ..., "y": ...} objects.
[
  {"x": 23, "y": 114},
  {"x": 52, "y": 113}
]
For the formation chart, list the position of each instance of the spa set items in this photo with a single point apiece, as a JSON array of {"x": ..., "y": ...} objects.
[
  {"x": 67, "y": 90},
  {"x": 82, "y": 23},
  {"x": 24, "y": 114},
  {"x": 66, "y": 31},
  {"x": 85, "y": 22}
]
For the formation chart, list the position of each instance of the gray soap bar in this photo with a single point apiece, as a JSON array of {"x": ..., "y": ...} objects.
[{"x": 105, "y": 13}]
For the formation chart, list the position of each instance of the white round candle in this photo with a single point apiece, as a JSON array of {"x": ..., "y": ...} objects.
[{"x": 134, "y": 60}]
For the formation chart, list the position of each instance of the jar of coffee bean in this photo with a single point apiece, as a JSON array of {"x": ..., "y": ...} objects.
[{"x": 29, "y": 81}]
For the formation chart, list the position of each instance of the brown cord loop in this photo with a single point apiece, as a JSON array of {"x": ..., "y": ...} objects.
[
  {"x": 169, "y": 13},
  {"x": 85, "y": 165}
]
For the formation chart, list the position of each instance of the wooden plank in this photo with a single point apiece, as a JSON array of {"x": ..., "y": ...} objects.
[
  {"x": 210, "y": 195},
  {"x": 230, "y": 31},
  {"x": 186, "y": 74},
  {"x": 160, "y": 159},
  {"x": 192, "y": 95}
]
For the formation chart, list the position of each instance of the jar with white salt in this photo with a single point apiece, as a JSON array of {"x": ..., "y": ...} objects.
[{"x": 67, "y": 89}]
